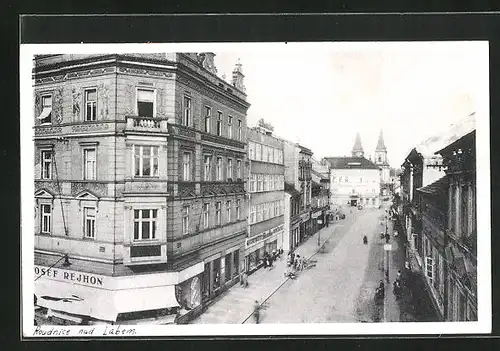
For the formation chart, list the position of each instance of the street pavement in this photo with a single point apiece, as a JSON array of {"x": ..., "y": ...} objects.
[{"x": 340, "y": 288}]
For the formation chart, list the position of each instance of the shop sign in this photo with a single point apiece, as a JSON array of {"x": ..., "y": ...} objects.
[
  {"x": 263, "y": 236},
  {"x": 69, "y": 276},
  {"x": 316, "y": 214}
]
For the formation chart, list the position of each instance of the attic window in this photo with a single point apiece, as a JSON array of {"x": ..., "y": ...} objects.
[{"x": 354, "y": 163}]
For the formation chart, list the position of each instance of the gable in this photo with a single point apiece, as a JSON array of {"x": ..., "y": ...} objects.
[
  {"x": 86, "y": 195},
  {"x": 44, "y": 193}
]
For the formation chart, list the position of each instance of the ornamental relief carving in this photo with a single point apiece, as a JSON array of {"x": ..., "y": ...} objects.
[
  {"x": 57, "y": 105},
  {"x": 76, "y": 99},
  {"x": 89, "y": 127},
  {"x": 100, "y": 189},
  {"x": 48, "y": 130},
  {"x": 103, "y": 92},
  {"x": 73, "y": 75},
  {"x": 130, "y": 97},
  {"x": 160, "y": 96},
  {"x": 145, "y": 72},
  {"x": 50, "y": 186}
]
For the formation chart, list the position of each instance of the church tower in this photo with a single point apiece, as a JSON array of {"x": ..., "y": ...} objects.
[
  {"x": 381, "y": 151},
  {"x": 381, "y": 161},
  {"x": 357, "y": 149}
]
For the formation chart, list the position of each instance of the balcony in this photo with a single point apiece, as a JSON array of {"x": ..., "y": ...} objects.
[{"x": 147, "y": 124}]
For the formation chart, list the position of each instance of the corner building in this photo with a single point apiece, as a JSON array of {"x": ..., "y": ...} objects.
[
  {"x": 266, "y": 193},
  {"x": 139, "y": 186}
]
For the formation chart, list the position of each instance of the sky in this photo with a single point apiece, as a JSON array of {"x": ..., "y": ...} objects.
[{"x": 321, "y": 95}]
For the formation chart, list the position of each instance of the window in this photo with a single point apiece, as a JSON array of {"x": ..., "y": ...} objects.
[
  {"x": 89, "y": 157},
  {"x": 251, "y": 150},
  {"x": 46, "y": 115},
  {"x": 259, "y": 182},
  {"x": 238, "y": 169},
  {"x": 346, "y": 179},
  {"x": 259, "y": 213},
  {"x": 219, "y": 168},
  {"x": 253, "y": 214},
  {"x": 265, "y": 186},
  {"x": 464, "y": 213},
  {"x": 185, "y": 219},
  {"x": 145, "y": 224},
  {"x": 429, "y": 268},
  {"x": 145, "y": 102},
  {"x": 272, "y": 181},
  {"x": 186, "y": 166},
  {"x": 229, "y": 169},
  {"x": 90, "y": 105},
  {"x": 46, "y": 164},
  {"x": 186, "y": 117},
  {"x": 361, "y": 179},
  {"x": 340, "y": 179},
  {"x": 253, "y": 181},
  {"x": 236, "y": 262},
  {"x": 240, "y": 124},
  {"x": 217, "y": 213},
  {"x": 265, "y": 211},
  {"x": 206, "y": 213},
  {"x": 208, "y": 117},
  {"x": 277, "y": 211},
  {"x": 258, "y": 152},
  {"x": 46, "y": 218},
  {"x": 89, "y": 222},
  {"x": 238, "y": 210},
  {"x": 230, "y": 127},
  {"x": 227, "y": 266},
  {"x": 207, "y": 167},
  {"x": 146, "y": 161},
  {"x": 228, "y": 211},
  {"x": 219, "y": 123}
]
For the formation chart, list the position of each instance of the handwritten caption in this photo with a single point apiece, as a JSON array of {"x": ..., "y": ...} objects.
[{"x": 106, "y": 330}]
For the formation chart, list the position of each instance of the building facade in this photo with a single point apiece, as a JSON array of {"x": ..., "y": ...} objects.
[
  {"x": 139, "y": 185},
  {"x": 266, "y": 195},
  {"x": 354, "y": 180},
  {"x": 320, "y": 196},
  {"x": 461, "y": 246},
  {"x": 298, "y": 166}
]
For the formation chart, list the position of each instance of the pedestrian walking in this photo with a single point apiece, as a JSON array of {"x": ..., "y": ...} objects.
[
  {"x": 387, "y": 237},
  {"x": 256, "y": 312}
]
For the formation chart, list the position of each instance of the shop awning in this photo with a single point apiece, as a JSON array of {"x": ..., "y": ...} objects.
[{"x": 100, "y": 303}]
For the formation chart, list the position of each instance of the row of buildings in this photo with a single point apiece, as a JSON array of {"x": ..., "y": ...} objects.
[
  {"x": 435, "y": 208},
  {"x": 152, "y": 195}
]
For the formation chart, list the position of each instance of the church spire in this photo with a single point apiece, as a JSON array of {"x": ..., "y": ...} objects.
[
  {"x": 357, "y": 149},
  {"x": 380, "y": 144}
]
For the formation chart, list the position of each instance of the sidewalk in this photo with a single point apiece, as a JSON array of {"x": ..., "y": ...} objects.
[{"x": 237, "y": 303}]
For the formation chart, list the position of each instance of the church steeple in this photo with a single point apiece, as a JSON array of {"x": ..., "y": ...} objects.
[
  {"x": 380, "y": 144},
  {"x": 381, "y": 151},
  {"x": 357, "y": 149}
]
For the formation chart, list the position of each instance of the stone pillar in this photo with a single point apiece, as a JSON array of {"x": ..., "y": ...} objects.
[{"x": 211, "y": 279}]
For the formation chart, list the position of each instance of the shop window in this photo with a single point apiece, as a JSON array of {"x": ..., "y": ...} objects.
[
  {"x": 216, "y": 273},
  {"x": 46, "y": 218},
  {"x": 145, "y": 161},
  {"x": 186, "y": 117},
  {"x": 89, "y": 156},
  {"x": 206, "y": 281},
  {"x": 46, "y": 115},
  {"x": 145, "y": 102},
  {"x": 236, "y": 262},
  {"x": 145, "y": 223},
  {"x": 227, "y": 265},
  {"x": 46, "y": 164},
  {"x": 89, "y": 222},
  {"x": 90, "y": 105}
]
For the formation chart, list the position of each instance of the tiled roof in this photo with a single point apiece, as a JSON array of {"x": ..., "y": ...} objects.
[
  {"x": 438, "y": 188},
  {"x": 351, "y": 163},
  {"x": 289, "y": 188},
  {"x": 323, "y": 177}
]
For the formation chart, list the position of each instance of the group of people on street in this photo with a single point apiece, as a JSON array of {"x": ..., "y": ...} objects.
[{"x": 269, "y": 258}]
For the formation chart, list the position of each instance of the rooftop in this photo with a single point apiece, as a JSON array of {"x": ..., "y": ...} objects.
[
  {"x": 350, "y": 163},
  {"x": 438, "y": 188}
]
